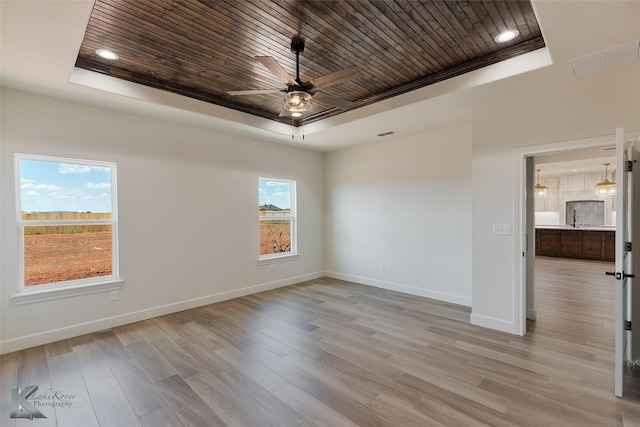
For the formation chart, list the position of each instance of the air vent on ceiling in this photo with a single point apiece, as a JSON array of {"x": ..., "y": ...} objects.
[{"x": 614, "y": 56}]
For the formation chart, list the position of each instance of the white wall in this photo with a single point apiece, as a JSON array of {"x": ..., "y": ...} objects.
[
  {"x": 423, "y": 205},
  {"x": 187, "y": 200},
  {"x": 404, "y": 202},
  {"x": 539, "y": 113}
]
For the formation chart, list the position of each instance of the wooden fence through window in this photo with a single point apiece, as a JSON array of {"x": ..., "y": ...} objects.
[{"x": 66, "y": 229}]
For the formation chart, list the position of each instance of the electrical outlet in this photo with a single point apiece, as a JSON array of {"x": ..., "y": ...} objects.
[
  {"x": 114, "y": 295},
  {"x": 502, "y": 229},
  {"x": 272, "y": 267},
  {"x": 382, "y": 267}
]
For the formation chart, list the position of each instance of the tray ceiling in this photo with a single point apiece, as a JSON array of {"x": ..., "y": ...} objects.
[{"x": 202, "y": 49}]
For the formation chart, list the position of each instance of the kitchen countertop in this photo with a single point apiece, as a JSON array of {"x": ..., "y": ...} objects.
[{"x": 568, "y": 227}]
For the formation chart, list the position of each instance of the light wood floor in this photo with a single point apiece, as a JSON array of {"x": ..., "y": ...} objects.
[{"x": 332, "y": 353}]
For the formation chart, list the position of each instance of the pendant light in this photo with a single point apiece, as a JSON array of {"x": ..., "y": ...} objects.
[
  {"x": 539, "y": 190},
  {"x": 606, "y": 187}
]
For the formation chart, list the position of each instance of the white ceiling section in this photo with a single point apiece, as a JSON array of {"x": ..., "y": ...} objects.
[{"x": 40, "y": 41}]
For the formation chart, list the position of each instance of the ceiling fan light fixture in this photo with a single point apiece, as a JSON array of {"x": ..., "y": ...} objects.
[
  {"x": 297, "y": 101},
  {"x": 506, "y": 36},
  {"x": 606, "y": 187}
]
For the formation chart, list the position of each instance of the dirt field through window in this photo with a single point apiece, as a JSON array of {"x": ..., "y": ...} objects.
[{"x": 50, "y": 258}]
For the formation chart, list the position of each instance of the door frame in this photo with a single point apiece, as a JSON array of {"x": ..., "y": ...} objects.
[{"x": 524, "y": 256}]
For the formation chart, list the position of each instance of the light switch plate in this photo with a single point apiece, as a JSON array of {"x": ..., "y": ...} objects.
[{"x": 502, "y": 229}]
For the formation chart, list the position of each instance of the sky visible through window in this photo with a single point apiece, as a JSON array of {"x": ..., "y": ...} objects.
[
  {"x": 277, "y": 193},
  {"x": 64, "y": 187}
]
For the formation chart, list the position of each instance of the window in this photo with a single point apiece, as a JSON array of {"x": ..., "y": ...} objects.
[
  {"x": 67, "y": 222},
  {"x": 277, "y": 218}
]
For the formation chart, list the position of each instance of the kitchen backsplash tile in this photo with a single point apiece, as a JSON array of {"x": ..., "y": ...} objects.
[{"x": 585, "y": 213}]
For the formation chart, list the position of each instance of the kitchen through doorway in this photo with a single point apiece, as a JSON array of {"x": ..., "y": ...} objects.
[{"x": 565, "y": 288}]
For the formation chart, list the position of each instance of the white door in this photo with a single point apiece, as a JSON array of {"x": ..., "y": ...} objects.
[
  {"x": 624, "y": 263},
  {"x": 635, "y": 255}
]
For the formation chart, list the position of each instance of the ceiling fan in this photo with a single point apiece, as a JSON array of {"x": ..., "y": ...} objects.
[{"x": 298, "y": 94}]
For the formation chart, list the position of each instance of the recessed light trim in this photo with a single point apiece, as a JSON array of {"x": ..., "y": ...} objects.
[
  {"x": 506, "y": 36},
  {"x": 296, "y": 114},
  {"x": 107, "y": 54}
]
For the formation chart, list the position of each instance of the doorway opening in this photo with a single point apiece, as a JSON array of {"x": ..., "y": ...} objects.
[
  {"x": 524, "y": 227},
  {"x": 524, "y": 304}
]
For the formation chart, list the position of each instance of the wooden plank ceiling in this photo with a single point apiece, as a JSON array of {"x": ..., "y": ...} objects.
[{"x": 202, "y": 49}]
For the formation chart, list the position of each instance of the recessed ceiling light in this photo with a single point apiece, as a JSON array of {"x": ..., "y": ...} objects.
[
  {"x": 107, "y": 54},
  {"x": 296, "y": 114},
  {"x": 506, "y": 36}
]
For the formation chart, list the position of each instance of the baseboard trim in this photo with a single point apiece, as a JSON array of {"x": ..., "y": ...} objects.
[
  {"x": 492, "y": 323},
  {"x": 41, "y": 338},
  {"x": 406, "y": 289}
]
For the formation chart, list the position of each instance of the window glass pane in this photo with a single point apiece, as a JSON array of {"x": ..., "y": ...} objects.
[
  {"x": 78, "y": 195},
  {"x": 70, "y": 252},
  {"x": 275, "y": 236},
  {"x": 274, "y": 195},
  {"x": 275, "y": 213},
  {"x": 55, "y": 187}
]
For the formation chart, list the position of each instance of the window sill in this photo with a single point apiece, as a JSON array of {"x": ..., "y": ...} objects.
[
  {"x": 64, "y": 292},
  {"x": 277, "y": 258}
]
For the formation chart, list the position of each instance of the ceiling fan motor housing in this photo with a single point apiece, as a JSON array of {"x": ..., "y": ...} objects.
[{"x": 297, "y": 45}]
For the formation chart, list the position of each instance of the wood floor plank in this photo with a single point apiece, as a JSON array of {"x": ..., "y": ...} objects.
[
  {"x": 58, "y": 347},
  {"x": 128, "y": 334},
  {"x": 111, "y": 347},
  {"x": 543, "y": 409},
  {"x": 138, "y": 387},
  {"x": 203, "y": 353},
  {"x": 314, "y": 409},
  {"x": 66, "y": 378},
  {"x": 32, "y": 367},
  {"x": 346, "y": 406},
  {"x": 178, "y": 393},
  {"x": 8, "y": 381},
  {"x": 290, "y": 372},
  {"x": 229, "y": 407},
  {"x": 442, "y": 404},
  {"x": 252, "y": 368},
  {"x": 333, "y": 378},
  {"x": 111, "y": 405},
  {"x": 163, "y": 417},
  {"x": 93, "y": 366},
  {"x": 180, "y": 360},
  {"x": 198, "y": 414},
  {"x": 401, "y": 413},
  {"x": 259, "y": 399},
  {"x": 156, "y": 367}
]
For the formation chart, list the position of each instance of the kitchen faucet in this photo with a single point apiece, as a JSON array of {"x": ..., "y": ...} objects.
[{"x": 574, "y": 218}]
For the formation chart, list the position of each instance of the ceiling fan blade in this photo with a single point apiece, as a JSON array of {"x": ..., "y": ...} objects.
[
  {"x": 323, "y": 98},
  {"x": 336, "y": 77},
  {"x": 273, "y": 66},
  {"x": 253, "y": 92}
]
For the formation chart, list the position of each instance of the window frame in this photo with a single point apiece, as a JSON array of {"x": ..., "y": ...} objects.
[
  {"x": 47, "y": 291},
  {"x": 292, "y": 217}
]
